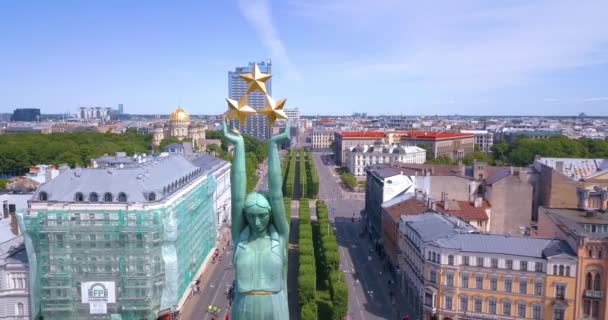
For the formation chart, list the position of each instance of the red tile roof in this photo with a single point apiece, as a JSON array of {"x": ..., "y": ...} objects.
[
  {"x": 464, "y": 210},
  {"x": 362, "y": 134},
  {"x": 411, "y": 206},
  {"x": 435, "y": 135}
]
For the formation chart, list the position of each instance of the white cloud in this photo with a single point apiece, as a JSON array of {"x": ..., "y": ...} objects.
[
  {"x": 258, "y": 14},
  {"x": 596, "y": 99},
  {"x": 468, "y": 44}
]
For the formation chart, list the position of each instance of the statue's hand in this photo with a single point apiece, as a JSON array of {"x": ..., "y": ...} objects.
[
  {"x": 283, "y": 135},
  {"x": 231, "y": 135}
]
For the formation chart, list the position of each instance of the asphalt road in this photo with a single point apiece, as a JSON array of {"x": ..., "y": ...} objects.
[{"x": 369, "y": 289}]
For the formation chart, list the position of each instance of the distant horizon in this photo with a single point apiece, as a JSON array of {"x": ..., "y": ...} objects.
[{"x": 328, "y": 56}]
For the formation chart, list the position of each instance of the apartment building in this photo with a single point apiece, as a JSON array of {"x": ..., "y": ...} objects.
[
  {"x": 459, "y": 274},
  {"x": 362, "y": 156},
  {"x": 322, "y": 139},
  {"x": 454, "y": 145},
  {"x": 345, "y": 140}
]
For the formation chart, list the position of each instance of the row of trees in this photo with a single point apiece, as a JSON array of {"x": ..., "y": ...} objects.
[
  {"x": 327, "y": 257},
  {"x": 303, "y": 179},
  {"x": 312, "y": 178},
  {"x": 347, "y": 178},
  {"x": 307, "y": 275},
  {"x": 289, "y": 173},
  {"x": 20, "y": 151}
]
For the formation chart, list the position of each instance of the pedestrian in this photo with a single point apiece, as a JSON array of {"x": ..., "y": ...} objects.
[{"x": 227, "y": 317}]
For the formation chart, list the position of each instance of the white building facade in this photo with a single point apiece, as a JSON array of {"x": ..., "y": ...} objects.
[
  {"x": 322, "y": 139},
  {"x": 14, "y": 287},
  {"x": 360, "y": 157}
]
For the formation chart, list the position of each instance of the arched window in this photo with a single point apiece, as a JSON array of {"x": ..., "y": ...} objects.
[
  {"x": 93, "y": 197},
  {"x": 561, "y": 269},
  {"x": 152, "y": 196},
  {"x": 568, "y": 271},
  {"x": 19, "y": 309},
  {"x": 78, "y": 197},
  {"x": 43, "y": 196},
  {"x": 122, "y": 197},
  {"x": 555, "y": 269},
  {"x": 107, "y": 197},
  {"x": 597, "y": 284},
  {"x": 588, "y": 281}
]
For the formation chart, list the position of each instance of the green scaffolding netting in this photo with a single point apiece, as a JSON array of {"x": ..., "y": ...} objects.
[{"x": 152, "y": 255}]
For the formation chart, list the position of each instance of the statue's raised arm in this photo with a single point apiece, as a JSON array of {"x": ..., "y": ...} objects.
[
  {"x": 238, "y": 182},
  {"x": 275, "y": 183}
]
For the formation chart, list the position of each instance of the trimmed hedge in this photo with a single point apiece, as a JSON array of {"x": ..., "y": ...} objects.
[
  {"x": 307, "y": 275},
  {"x": 309, "y": 311},
  {"x": 312, "y": 176},
  {"x": 328, "y": 263}
]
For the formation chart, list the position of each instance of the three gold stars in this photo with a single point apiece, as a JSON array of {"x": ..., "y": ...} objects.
[
  {"x": 239, "y": 110},
  {"x": 256, "y": 80}
]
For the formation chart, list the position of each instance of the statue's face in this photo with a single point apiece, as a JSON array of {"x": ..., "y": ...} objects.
[{"x": 258, "y": 218}]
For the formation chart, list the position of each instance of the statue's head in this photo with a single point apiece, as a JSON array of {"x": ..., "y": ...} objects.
[{"x": 257, "y": 211}]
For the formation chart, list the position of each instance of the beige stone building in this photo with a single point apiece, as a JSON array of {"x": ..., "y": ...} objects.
[
  {"x": 454, "y": 145},
  {"x": 179, "y": 126},
  {"x": 345, "y": 140},
  {"x": 321, "y": 139}
]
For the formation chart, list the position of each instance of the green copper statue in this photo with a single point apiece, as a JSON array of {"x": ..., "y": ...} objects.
[{"x": 259, "y": 234}]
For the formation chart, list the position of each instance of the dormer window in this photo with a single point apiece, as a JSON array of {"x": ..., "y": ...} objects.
[
  {"x": 122, "y": 197},
  {"x": 43, "y": 196},
  {"x": 152, "y": 196},
  {"x": 78, "y": 197},
  {"x": 93, "y": 197},
  {"x": 107, "y": 197}
]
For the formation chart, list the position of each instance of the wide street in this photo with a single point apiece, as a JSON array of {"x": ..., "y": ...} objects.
[{"x": 369, "y": 288}]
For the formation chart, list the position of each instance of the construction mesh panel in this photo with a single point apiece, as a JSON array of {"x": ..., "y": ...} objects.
[{"x": 151, "y": 255}]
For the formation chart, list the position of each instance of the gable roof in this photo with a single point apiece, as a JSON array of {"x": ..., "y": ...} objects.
[{"x": 411, "y": 206}]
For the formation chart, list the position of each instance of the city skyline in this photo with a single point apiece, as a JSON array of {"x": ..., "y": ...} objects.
[{"x": 389, "y": 57}]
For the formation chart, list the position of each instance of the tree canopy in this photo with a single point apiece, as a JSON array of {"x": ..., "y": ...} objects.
[{"x": 20, "y": 151}]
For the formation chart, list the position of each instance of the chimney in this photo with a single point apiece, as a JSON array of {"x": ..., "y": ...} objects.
[
  {"x": 511, "y": 170},
  {"x": 583, "y": 196},
  {"x": 14, "y": 224},
  {"x": 559, "y": 166},
  {"x": 48, "y": 174},
  {"x": 523, "y": 173},
  {"x": 478, "y": 202},
  {"x": 434, "y": 206},
  {"x": 604, "y": 200}
]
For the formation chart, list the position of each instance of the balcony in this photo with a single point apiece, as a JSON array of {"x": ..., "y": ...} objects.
[{"x": 594, "y": 294}]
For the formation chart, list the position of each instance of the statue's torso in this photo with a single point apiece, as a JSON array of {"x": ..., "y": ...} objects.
[{"x": 259, "y": 266}]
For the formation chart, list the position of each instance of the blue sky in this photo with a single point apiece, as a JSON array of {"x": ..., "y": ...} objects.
[{"x": 329, "y": 56}]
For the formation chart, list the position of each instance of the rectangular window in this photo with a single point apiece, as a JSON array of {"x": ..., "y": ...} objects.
[
  {"x": 509, "y": 264},
  {"x": 493, "y": 283},
  {"x": 560, "y": 291},
  {"x": 478, "y": 303},
  {"x": 536, "y": 312},
  {"x": 538, "y": 288},
  {"x": 506, "y": 308},
  {"x": 523, "y": 286},
  {"x": 521, "y": 310},
  {"x": 464, "y": 304},
  {"x": 464, "y": 280},
  {"x": 448, "y": 303},
  {"x": 508, "y": 284},
  {"x": 494, "y": 263},
  {"x": 480, "y": 261},
  {"x": 523, "y": 265},
  {"x": 433, "y": 276},
  {"x": 538, "y": 267},
  {"x": 451, "y": 260},
  {"x": 465, "y": 260},
  {"x": 558, "y": 314},
  {"x": 479, "y": 281},
  {"x": 449, "y": 280},
  {"x": 492, "y": 306}
]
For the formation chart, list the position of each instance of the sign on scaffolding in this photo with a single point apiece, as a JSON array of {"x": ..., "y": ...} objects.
[{"x": 98, "y": 295}]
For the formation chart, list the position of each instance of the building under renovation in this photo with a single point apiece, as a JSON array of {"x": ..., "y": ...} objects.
[{"x": 119, "y": 242}]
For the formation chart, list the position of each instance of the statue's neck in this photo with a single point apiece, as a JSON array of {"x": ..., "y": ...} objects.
[{"x": 253, "y": 235}]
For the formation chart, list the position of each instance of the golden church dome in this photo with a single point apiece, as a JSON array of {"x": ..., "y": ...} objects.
[{"x": 180, "y": 115}]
